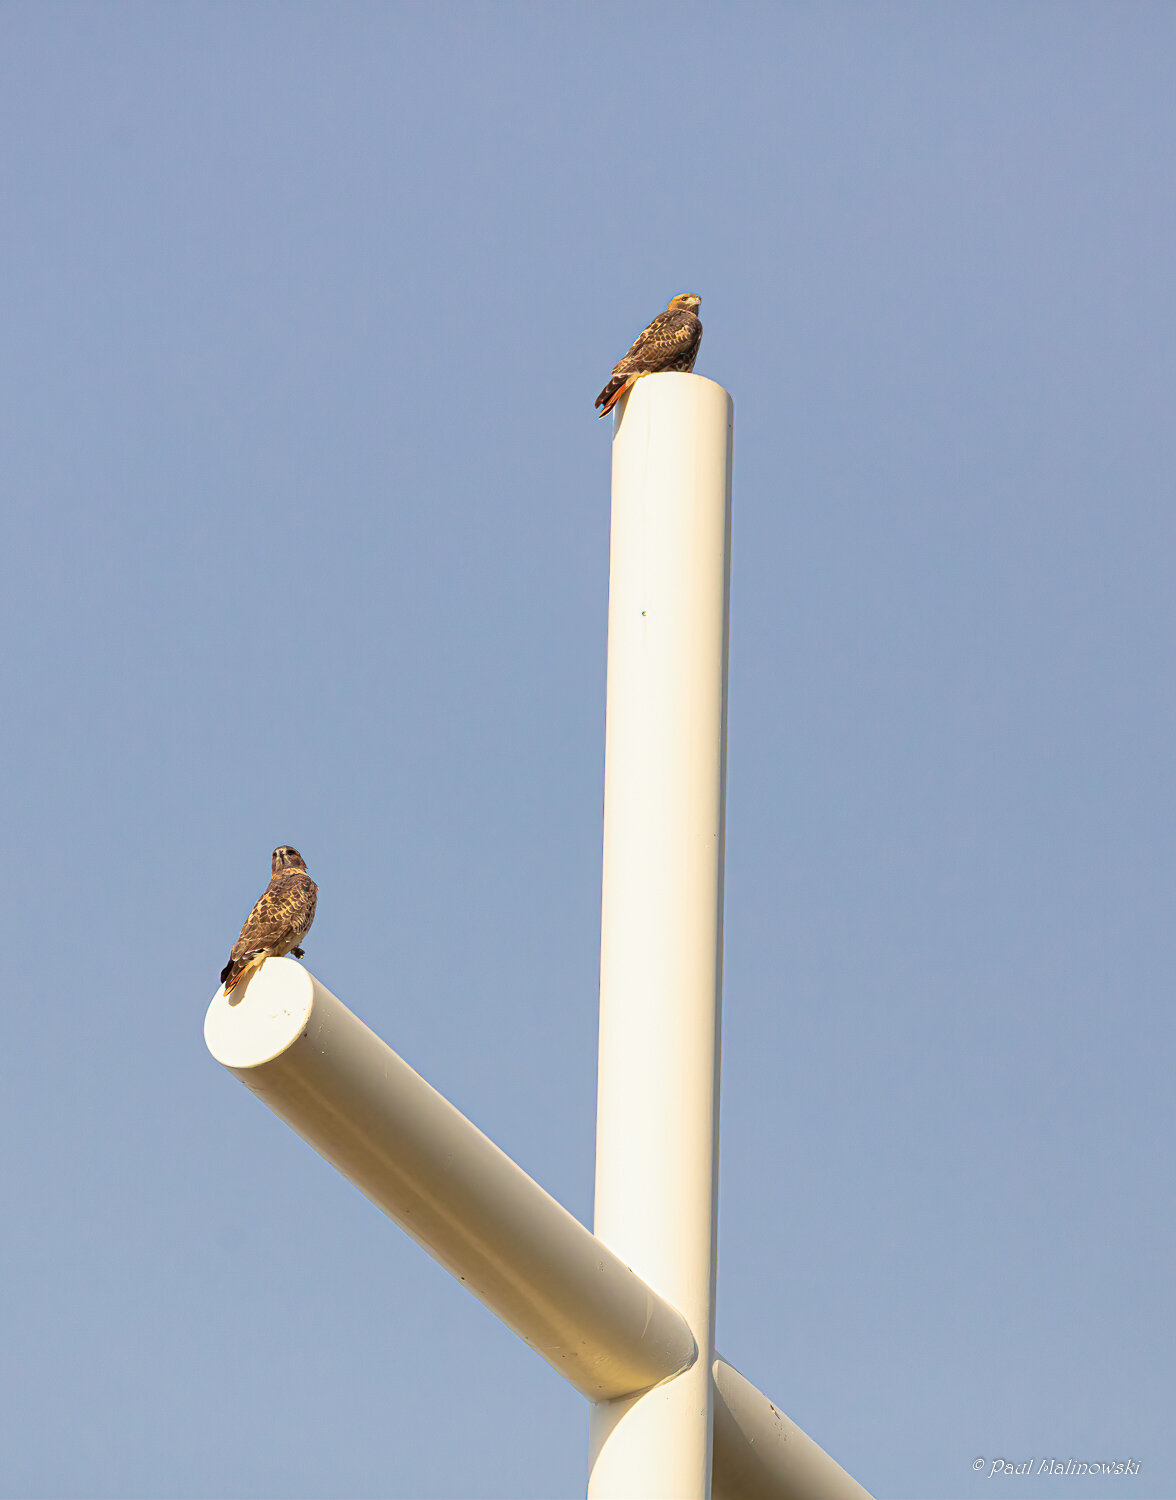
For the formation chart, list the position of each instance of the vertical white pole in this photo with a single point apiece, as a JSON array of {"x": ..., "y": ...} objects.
[{"x": 661, "y": 923}]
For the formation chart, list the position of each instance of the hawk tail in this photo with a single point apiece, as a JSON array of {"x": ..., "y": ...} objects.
[
  {"x": 612, "y": 393},
  {"x": 233, "y": 973}
]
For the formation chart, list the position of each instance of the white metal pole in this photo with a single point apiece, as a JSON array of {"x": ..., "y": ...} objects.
[
  {"x": 760, "y": 1454},
  {"x": 318, "y": 1067},
  {"x": 661, "y": 921}
]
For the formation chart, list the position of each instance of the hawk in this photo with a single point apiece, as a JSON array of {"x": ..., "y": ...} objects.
[
  {"x": 669, "y": 343},
  {"x": 279, "y": 921}
]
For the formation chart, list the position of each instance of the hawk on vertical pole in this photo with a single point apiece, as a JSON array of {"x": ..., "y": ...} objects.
[
  {"x": 669, "y": 343},
  {"x": 280, "y": 919}
]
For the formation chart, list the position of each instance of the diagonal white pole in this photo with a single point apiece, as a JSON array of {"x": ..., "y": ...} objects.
[
  {"x": 662, "y": 909},
  {"x": 343, "y": 1089}
]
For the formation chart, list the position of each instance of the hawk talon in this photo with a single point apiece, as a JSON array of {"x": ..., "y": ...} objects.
[{"x": 298, "y": 952}]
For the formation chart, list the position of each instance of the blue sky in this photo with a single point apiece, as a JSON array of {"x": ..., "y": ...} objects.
[{"x": 305, "y": 540}]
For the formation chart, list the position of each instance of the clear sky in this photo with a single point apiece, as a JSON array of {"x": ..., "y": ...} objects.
[{"x": 305, "y": 540}]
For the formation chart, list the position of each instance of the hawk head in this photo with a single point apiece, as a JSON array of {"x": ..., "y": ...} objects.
[
  {"x": 285, "y": 859},
  {"x": 685, "y": 302}
]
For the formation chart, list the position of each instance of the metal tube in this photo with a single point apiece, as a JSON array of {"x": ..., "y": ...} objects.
[
  {"x": 319, "y": 1068},
  {"x": 761, "y": 1455},
  {"x": 661, "y": 921}
]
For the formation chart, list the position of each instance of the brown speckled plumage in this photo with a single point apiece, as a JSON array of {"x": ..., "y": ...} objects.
[
  {"x": 280, "y": 919},
  {"x": 669, "y": 343}
]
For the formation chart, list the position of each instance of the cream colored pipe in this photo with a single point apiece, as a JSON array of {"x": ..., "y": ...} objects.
[
  {"x": 318, "y": 1067},
  {"x": 761, "y": 1455},
  {"x": 662, "y": 907}
]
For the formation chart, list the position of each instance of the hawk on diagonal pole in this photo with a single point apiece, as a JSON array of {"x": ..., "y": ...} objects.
[
  {"x": 669, "y": 343},
  {"x": 280, "y": 919}
]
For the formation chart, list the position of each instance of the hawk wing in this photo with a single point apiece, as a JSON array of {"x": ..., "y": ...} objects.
[
  {"x": 670, "y": 342},
  {"x": 671, "y": 337},
  {"x": 278, "y": 922}
]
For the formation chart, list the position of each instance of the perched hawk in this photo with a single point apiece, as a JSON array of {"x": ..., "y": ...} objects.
[
  {"x": 669, "y": 343},
  {"x": 279, "y": 921}
]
